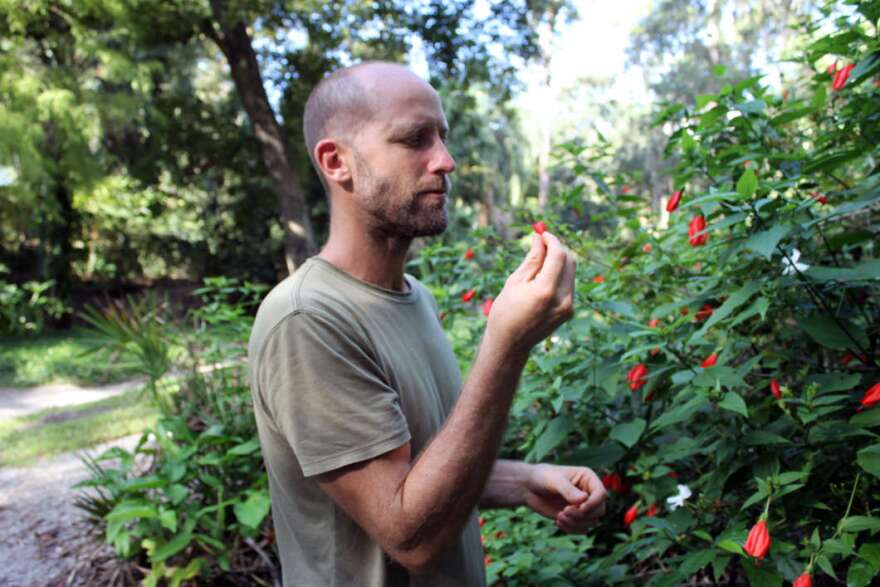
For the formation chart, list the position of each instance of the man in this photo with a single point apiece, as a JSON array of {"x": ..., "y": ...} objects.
[{"x": 377, "y": 454}]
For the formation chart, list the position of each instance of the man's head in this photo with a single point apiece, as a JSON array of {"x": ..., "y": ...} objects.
[{"x": 375, "y": 133}]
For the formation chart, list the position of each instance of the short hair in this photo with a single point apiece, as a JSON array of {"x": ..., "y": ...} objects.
[{"x": 340, "y": 103}]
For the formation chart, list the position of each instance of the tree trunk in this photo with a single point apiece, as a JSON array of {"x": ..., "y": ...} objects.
[{"x": 234, "y": 41}]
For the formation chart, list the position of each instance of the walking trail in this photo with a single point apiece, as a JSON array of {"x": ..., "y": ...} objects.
[{"x": 44, "y": 538}]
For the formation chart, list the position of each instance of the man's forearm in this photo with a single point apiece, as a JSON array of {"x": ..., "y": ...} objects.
[
  {"x": 506, "y": 486},
  {"x": 447, "y": 480}
]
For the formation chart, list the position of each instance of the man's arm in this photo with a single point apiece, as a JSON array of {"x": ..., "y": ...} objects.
[{"x": 414, "y": 511}]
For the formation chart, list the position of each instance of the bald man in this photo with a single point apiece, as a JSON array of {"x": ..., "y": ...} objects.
[{"x": 378, "y": 456}]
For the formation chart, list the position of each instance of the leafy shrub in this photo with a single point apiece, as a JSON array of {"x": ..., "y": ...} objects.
[
  {"x": 28, "y": 307},
  {"x": 719, "y": 370},
  {"x": 191, "y": 501}
]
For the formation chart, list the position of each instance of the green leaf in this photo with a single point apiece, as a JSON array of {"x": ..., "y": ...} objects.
[
  {"x": 791, "y": 115},
  {"x": 871, "y": 553},
  {"x": 866, "y": 67},
  {"x": 555, "y": 433},
  {"x": 246, "y": 448},
  {"x": 628, "y": 433},
  {"x": 129, "y": 510},
  {"x": 731, "y": 546},
  {"x": 825, "y": 565},
  {"x": 860, "y": 574},
  {"x": 861, "y": 272},
  {"x": 594, "y": 457},
  {"x": 831, "y": 382},
  {"x": 719, "y": 70},
  {"x": 829, "y": 333},
  {"x": 764, "y": 242},
  {"x": 859, "y": 524},
  {"x": 696, "y": 561},
  {"x": 866, "y": 419},
  {"x": 171, "y": 547},
  {"x": 252, "y": 511},
  {"x": 759, "y": 306},
  {"x": 168, "y": 519},
  {"x": 736, "y": 299},
  {"x": 761, "y": 576},
  {"x": 734, "y": 402},
  {"x": 747, "y": 184},
  {"x": 679, "y": 414},
  {"x": 869, "y": 459},
  {"x": 762, "y": 437}
]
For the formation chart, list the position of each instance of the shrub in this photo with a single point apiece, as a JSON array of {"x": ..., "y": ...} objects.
[{"x": 757, "y": 338}]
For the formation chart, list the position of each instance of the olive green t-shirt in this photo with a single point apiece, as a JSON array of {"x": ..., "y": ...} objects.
[{"x": 343, "y": 371}]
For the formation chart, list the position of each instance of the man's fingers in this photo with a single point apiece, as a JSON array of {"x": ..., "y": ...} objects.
[
  {"x": 533, "y": 261},
  {"x": 554, "y": 260}
]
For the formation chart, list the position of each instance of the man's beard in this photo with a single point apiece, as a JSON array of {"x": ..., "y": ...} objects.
[{"x": 400, "y": 211}]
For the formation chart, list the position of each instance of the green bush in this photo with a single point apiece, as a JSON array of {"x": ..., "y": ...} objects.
[
  {"x": 668, "y": 375},
  {"x": 191, "y": 500},
  {"x": 27, "y": 308}
]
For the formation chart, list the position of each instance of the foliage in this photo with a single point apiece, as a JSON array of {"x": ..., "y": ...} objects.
[
  {"x": 28, "y": 307},
  {"x": 784, "y": 289},
  {"x": 191, "y": 500}
]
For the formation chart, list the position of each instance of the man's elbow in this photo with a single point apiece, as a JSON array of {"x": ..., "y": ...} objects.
[{"x": 416, "y": 552}]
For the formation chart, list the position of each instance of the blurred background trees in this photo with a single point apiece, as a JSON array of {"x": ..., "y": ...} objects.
[{"x": 144, "y": 141}]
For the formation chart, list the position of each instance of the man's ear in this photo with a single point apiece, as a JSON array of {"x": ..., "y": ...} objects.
[{"x": 332, "y": 161}]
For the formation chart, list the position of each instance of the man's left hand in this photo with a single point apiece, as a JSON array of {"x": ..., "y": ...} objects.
[{"x": 572, "y": 496}]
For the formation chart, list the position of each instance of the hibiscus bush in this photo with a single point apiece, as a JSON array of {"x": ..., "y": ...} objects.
[{"x": 722, "y": 370}]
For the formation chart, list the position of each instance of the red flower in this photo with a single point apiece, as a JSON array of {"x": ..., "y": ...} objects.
[
  {"x": 704, "y": 313},
  {"x": 469, "y": 254},
  {"x": 647, "y": 248},
  {"x": 654, "y": 323},
  {"x": 652, "y": 511},
  {"x": 684, "y": 311},
  {"x": 698, "y": 224},
  {"x": 487, "y": 306},
  {"x": 821, "y": 198},
  {"x": 612, "y": 482},
  {"x": 673, "y": 202},
  {"x": 636, "y": 376},
  {"x": 653, "y": 352},
  {"x": 499, "y": 534},
  {"x": 442, "y": 316},
  {"x": 805, "y": 580},
  {"x": 872, "y": 396},
  {"x": 598, "y": 279},
  {"x": 625, "y": 189},
  {"x": 832, "y": 68},
  {"x": 487, "y": 561},
  {"x": 631, "y": 514},
  {"x": 847, "y": 358},
  {"x": 758, "y": 542},
  {"x": 841, "y": 77},
  {"x": 540, "y": 227},
  {"x": 468, "y": 295},
  {"x": 672, "y": 474},
  {"x": 710, "y": 361},
  {"x": 775, "y": 389},
  {"x": 482, "y": 521}
]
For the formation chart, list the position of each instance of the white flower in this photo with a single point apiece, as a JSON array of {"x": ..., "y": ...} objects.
[
  {"x": 789, "y": 267},
  {"x": 750, "y": 219},
  {"x": 773, "y": 195},
  {"x": 676, "y": 501}
]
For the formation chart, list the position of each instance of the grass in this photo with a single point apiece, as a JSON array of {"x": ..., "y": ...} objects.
[
  {"x": 54, "y": 357},
  {"x": 47, "y": 433}
]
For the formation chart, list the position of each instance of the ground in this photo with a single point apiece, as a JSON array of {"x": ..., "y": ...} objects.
[{"x": 43, "y": 537}]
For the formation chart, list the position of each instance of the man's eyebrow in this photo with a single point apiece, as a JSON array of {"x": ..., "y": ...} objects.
[{"x": 416, "y": 126}]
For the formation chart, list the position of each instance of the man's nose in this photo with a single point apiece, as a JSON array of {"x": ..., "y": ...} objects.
[{"x": 441, "y": 160}]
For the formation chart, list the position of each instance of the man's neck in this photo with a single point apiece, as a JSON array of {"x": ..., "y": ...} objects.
[{"x": 374, "y": 259}]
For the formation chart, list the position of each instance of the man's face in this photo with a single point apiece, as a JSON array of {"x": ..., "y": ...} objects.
[{"x": 401, "y": 165}]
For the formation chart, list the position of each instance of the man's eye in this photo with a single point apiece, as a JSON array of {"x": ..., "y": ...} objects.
[{"x": 415, "y": 140}]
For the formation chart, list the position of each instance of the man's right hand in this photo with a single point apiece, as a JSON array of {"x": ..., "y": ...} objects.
[{"x": 537, "y": 297}]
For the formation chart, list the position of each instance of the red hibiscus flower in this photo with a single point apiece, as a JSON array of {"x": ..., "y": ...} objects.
[
  {"x": 697, "y": 225},
  {"x": 872, "y": 396},
  {"x": 540, "y": 227},
  {"x": 673, "y": 202},
  {"x": 758, "y": 542},
  {"x": 841, "y": 77},
  {"x": 636, "y": 376},
  {"x": 487, "y": 306},
  {"x": 775, "y": 389},
  {"x": 468, "y": 295},
  {"x": 631, "y": 514},
  {"x": 469, "y": 254},
  {"x": 710, "y": 361}
]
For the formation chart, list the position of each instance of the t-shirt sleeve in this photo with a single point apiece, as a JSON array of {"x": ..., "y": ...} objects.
[{"x": 327, "y": 395}]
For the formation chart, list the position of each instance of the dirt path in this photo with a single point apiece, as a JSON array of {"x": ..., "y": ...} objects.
[
  {"x": 15, "y": 402},
  {"x": 43, "y": 536}
]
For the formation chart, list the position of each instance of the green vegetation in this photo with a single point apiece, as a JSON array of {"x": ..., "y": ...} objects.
[
  {"x": 54, "y": 357},
  {"x": 47, "y": 433}
]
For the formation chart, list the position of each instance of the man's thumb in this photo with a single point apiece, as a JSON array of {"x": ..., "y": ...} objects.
[{"x": 534, "y": 258}]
